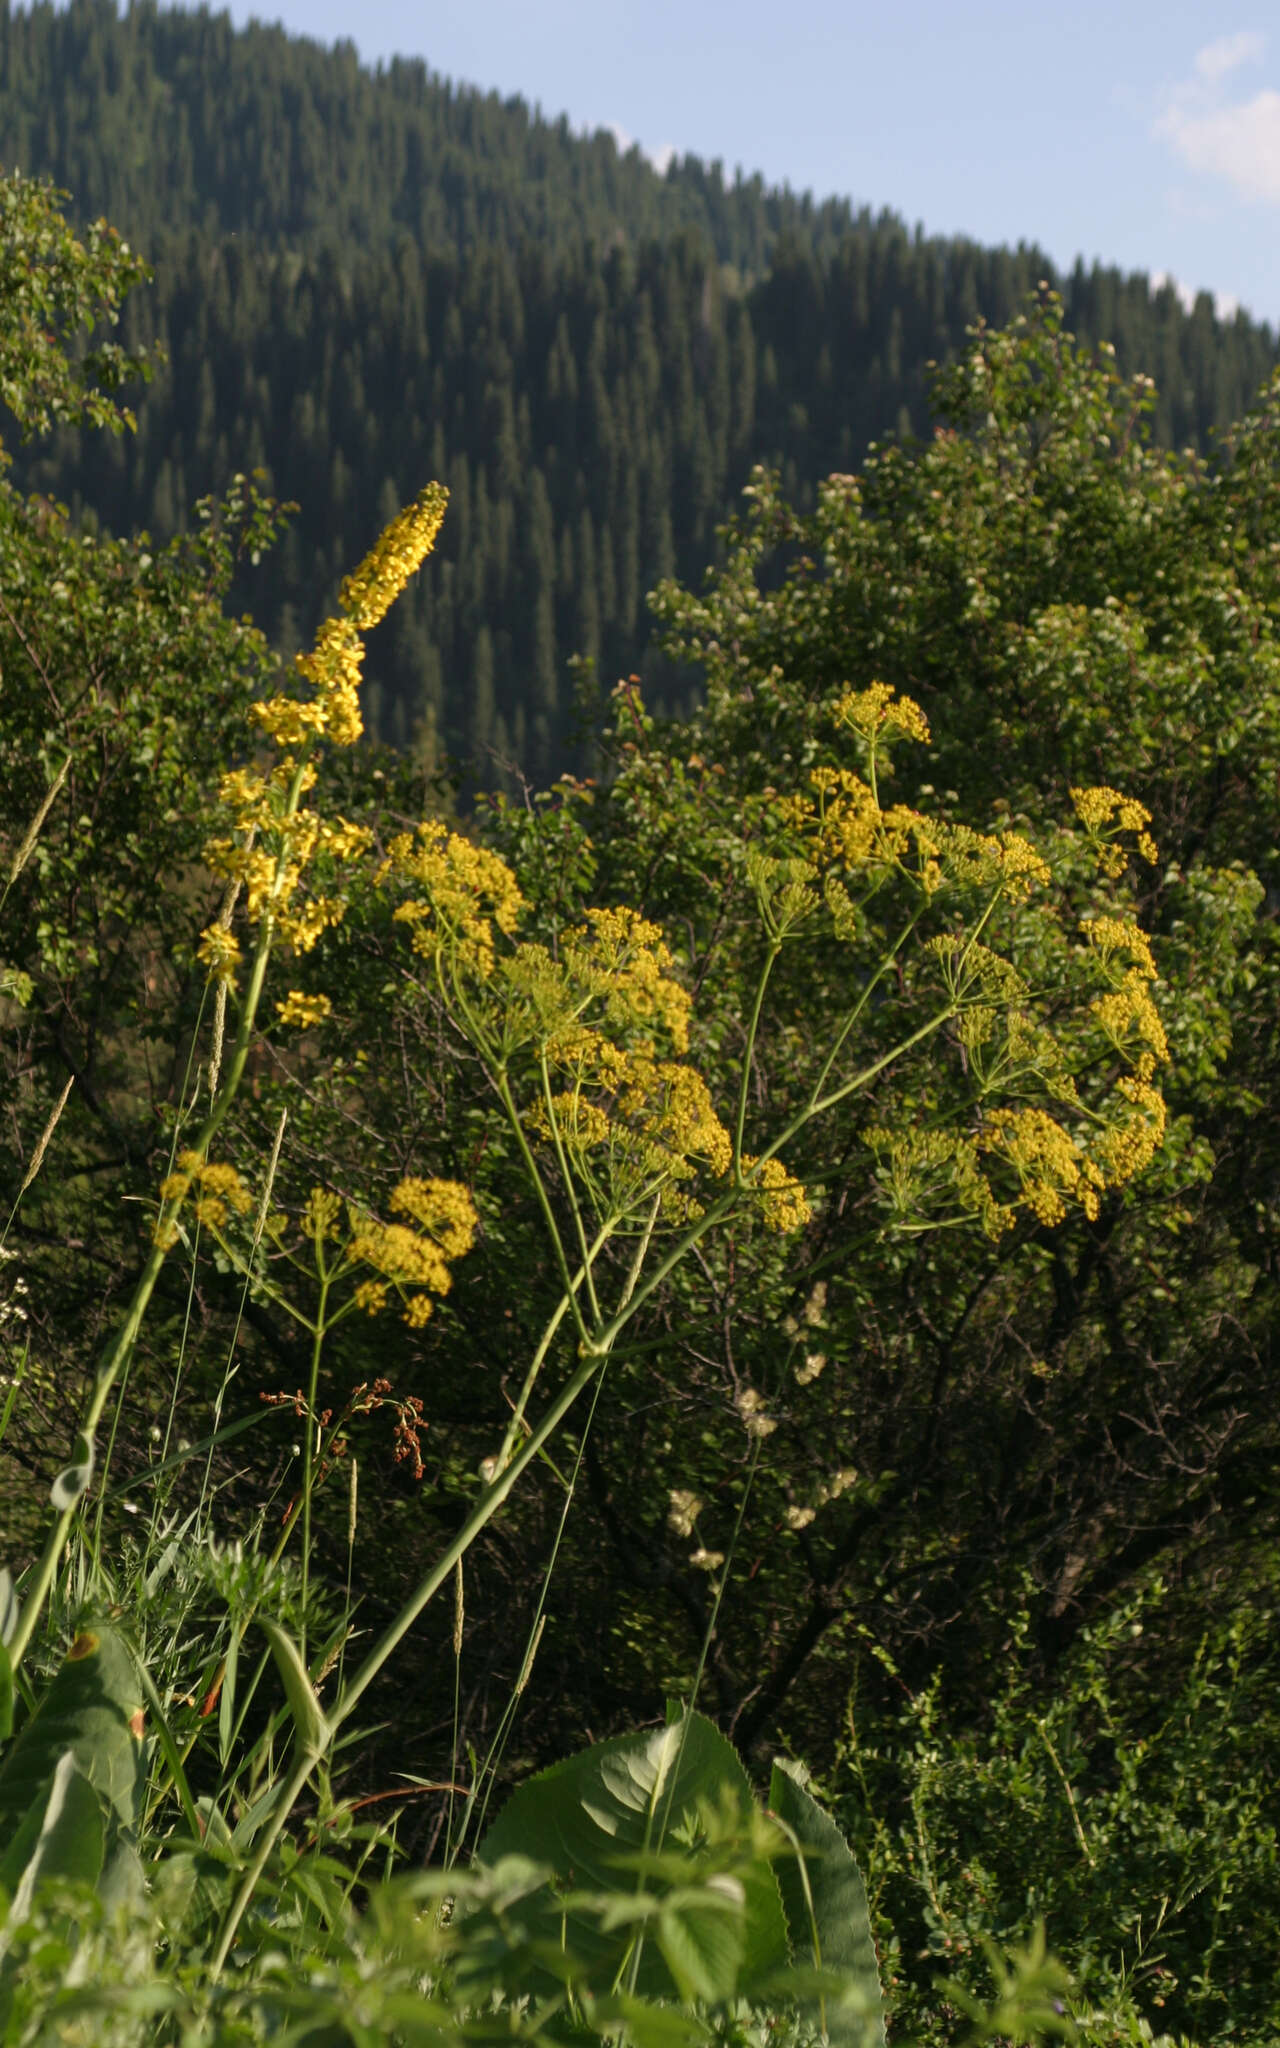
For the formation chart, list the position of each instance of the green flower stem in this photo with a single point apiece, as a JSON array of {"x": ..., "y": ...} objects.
[
  {"x": 508, "y": 1102},
  {"x": 121, "y": 1347},
  {"x": 872, "y": 985},
  {"x": 538, "y": 1360},
  {"x": 775, "y": 947},
  {"x": 290, "y": 1792},
  {"x": 558, "y": 1143},
  {"x": 309, "y": 1439},
  {"x": 864, "y": 1078},
  {"x": 483, "y": 1512}
]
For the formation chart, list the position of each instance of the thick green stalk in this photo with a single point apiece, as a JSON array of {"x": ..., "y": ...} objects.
[
  {"x": 508, "y": 1102},
  {"x": 538, "y": 1360},
  {"x": 483, "y": 1512},
  {"x": 775, "y": 947},
  {"x": 575, "y": 1208},
  {"x": 290, "y": 1791},
  {"x": 873, "y": 983},
  {"x": 310, "y": 1444}
]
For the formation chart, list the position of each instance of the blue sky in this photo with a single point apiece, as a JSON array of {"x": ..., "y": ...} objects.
[{"x": 1146, "y": 135}]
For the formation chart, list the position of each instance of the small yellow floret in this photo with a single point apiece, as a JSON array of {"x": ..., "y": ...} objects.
[
  {"x": 304, "y": 1011},
  {"x": 220, "y": 952},
  {"x": 783, "y": 1203}
]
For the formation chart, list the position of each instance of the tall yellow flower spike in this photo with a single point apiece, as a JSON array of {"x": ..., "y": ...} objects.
[
  {"x": 273, "y": 840},
  {"x": 400, "y": 552}
]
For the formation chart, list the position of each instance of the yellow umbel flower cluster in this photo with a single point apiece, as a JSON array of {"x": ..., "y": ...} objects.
[
  {"x": 465, "y": 892},
  {"x": 303, "y": 1011},
  {"x": 622, "y": 960},
  {"x": 1105, "y": 814},
  {"x": 219, "y": 1190},
  {"x": 784, "y": 1206},
  {"x": 1128, "y": 1147},
  {"x": 1051, "y": 1171},
  {"x": 632, "y": 1126},
  {"x": 1126, "y": 1012},
  {"x": 920, "y": 1172},
  {"x": 414, "y": 1259},
  {"x": 852, "y": 842},
  {"x": 878, "y": 712},
  {"x": 1112, "y": 935}
]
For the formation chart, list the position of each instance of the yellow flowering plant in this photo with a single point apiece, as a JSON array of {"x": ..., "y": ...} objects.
[
  {"x": 587, "y": 1036},
  {"x": 269, "y": 855},
  {"x": 960, "y": 953}
]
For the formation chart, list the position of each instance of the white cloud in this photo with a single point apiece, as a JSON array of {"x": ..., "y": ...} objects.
[
  {"x": 661, "y": 158},
  {"x": 1238, "y": 141},
  {"x": 1229, "y": 53},
  {"x": 1185, "y": 296},
  {"x": 1225, "y": 304}
]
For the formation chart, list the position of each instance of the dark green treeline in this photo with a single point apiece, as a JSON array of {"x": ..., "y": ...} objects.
[
  {"x": 368, "y": 279},
  {"x": 159, "y": 117}
]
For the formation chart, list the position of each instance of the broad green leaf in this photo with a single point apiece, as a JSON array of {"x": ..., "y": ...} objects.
[
  {"x": 6, "y": 1694},
  {"x": 59, "y": 1836},
  {"x": 314, "y": 1732},
  {"x": 123, "y": 1883},
  {"x": 91, "y": 1711},
  {"x": 591, "y": 1816},
  {"x": 702, "y": 1935},
  {"x": 828, "y": 1918}
]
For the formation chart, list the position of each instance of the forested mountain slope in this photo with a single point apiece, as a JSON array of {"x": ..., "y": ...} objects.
[
  {"x": 367, "y": 278},
  {"x": 171, "y": 116}
]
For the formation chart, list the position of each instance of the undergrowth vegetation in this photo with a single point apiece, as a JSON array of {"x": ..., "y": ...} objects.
[{"x": 557, "y": 1288}]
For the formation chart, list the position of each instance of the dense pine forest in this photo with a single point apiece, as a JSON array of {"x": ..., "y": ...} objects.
[{"x": 365, "y": 279}]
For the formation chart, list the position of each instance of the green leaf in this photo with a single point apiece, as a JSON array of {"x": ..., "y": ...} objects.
[
  {"x": 645, "y": 2024},
  {"x": 169, "y": 1749},
  {"x": 6, "y": 1694},
  {"x": 702, "y": 1935},
  {"x": 227, "y": 1697},
  {"x": 60, "y": 1835},
  {"x": 92, "y": 1711},
  {"x": 309, "y": 1719},
  {"x": 826, "y": 1906},
  {"x": 609, "y": 1809}
]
